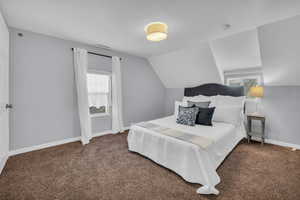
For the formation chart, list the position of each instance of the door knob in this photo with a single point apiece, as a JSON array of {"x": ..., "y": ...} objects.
[{"x": 8, "y": 106}]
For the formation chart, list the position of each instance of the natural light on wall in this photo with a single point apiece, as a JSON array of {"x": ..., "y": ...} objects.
[{"x": 156, "y": 31}]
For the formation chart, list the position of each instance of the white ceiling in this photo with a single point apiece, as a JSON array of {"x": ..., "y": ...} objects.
[
  {"x": 280, "y": 51},
  {"x": 238, "y": 51},
  {"x": 120, "y": 24},
  {"x": 274, "y": 48},
  {"x": 186, "y": 67}
]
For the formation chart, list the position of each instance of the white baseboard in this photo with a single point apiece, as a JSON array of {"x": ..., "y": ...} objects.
[
  {"x": 52, "y": 144},
  {"x": 3, "y": 162},
  {"x": 102, "y": 133},
  {"x": 279, "y": 143},
  {"x": 284, "y": 144},
  {"x": 42, "y": 146}
]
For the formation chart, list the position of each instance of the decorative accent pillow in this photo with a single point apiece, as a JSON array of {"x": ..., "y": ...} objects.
[
  {"x": 187, "y": 115},
  {"x": 177, "y": 104},
  {"x": 205, "y": 116},
  {"x": 198, "y": 104}
]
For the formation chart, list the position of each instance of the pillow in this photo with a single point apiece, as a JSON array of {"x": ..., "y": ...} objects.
[
  {"x": 230, "y": 101},
  {"x": 199, "y": 98},
  {"x": 187, "y": 115},
  {"x": 196, "y": 98},
  {"x": 177, "y": 104},
  {"x": 198, "y": 104},
  {"x": 228, "y": 114},
  {"x": 205, "y": 116}
]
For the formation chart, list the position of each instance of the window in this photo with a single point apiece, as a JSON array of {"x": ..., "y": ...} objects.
[
  {"x": 99, "y": 93},
  {"x": 246, "y": 81}
]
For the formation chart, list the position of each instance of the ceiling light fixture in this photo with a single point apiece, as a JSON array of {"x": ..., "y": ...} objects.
[{"x": 156, "y": 31}]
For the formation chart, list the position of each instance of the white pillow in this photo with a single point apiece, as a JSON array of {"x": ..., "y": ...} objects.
[
  {"x": 229, "y": 101},
  {"x": 200, "y": 98},
  {"x": 177, "y": 104},
  {"x": 228, "y": 114}
]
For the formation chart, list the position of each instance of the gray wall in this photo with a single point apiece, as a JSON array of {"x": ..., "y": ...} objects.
[
  {"x": 282, "y": 110},
  {"x": 172, "y": 95},
  {"x": 42, "y": 90},
  {"x": 280, "y": 105}
]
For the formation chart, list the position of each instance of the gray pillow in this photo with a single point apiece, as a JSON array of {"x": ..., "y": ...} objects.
[
  {"x": 198, "y": 104},
  {"x": 187, "y": 115}
]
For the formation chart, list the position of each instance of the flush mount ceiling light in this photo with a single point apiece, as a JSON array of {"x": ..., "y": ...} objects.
[{"x": 156, "y": 31}]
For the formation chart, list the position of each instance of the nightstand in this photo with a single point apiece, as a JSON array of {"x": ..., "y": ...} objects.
[{"x": 250, "y": 133}]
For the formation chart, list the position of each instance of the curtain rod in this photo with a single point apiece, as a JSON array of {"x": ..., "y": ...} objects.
[{"x": 97, "y": 54}]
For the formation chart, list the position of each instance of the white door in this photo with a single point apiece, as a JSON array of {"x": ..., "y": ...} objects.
[{"x": 4, "y": 92}]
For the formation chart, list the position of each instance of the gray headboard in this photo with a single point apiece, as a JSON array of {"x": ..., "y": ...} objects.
[{"x": 212, "y": 89}]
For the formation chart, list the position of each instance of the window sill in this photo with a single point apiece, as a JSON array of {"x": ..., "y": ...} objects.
[{"x": 100, "y": 115}]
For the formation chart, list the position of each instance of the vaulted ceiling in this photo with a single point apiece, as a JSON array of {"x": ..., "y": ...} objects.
[
  {"x": 120, "y": 24},
  {"x": 186, "y": 67},
  {"x": 274, "y": 48},
  {"x": 238, "y": 51}
]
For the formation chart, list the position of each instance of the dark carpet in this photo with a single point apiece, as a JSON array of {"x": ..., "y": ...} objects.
[{"x": 105, "y": 169}]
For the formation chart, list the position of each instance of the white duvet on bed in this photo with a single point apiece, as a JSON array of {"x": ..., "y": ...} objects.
[{"x": 194, "y": 164}]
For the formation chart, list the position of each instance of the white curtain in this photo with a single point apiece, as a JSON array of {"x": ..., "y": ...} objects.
[
  {"x": 80, "y": 69},
  {"x": 117, "y": 114}
]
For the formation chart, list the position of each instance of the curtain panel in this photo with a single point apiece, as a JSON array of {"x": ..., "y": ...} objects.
[
  {"x": 80, "y": 70},
  {"x": 117, "y": 108}
]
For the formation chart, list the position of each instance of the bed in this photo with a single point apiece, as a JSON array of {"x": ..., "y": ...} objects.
[{"x": 193, "y": 163}]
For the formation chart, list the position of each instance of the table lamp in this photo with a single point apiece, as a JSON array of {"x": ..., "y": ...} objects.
[{"x": 257, "y": 92}]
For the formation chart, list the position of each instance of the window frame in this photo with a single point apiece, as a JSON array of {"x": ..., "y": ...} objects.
[
  {"x": 109, "y": 107},
  {"x": 258, "y": 77}
]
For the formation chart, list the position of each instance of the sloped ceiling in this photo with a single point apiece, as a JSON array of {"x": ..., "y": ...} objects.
[
  {"x": 238, "y": 51},
  {"x": 205, "y": 62},
  {"x": 186, "y": 67},
  {"x": 274, "y": 47},
  {"x": 280, "y": 50}
]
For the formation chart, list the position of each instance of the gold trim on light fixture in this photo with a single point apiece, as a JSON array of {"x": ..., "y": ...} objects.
[{"x": 156, "y": 31}]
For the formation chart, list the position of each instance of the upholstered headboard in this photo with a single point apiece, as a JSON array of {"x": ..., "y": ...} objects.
[{"x": 212, "y": 89}]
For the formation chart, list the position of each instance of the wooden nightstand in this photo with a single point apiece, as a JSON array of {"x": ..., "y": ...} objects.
[{"x": 251, "y": 133}]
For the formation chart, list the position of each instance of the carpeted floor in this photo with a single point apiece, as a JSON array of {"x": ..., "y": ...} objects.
[{"x": 105, "y": 169}]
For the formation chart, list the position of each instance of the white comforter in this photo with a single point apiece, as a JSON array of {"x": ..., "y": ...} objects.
[{"x": 194, "y": 164}]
